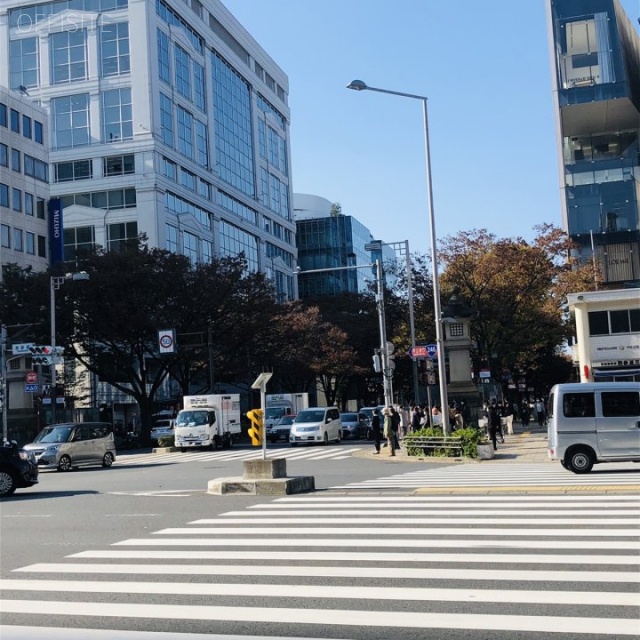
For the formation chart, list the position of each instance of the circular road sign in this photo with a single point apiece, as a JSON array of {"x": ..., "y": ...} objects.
[
  {"x": 166, "y": 341},
  {"x": 31, "y": 377}
]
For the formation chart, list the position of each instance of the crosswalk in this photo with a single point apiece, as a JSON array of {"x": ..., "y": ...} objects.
[
  {"x": 514, "y": 476},
  {"x": 175, "y": 457},
  {"x": 359, "y": 567}
]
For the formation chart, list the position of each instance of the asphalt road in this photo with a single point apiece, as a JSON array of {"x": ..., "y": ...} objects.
[{"x": 142, "y": 548}]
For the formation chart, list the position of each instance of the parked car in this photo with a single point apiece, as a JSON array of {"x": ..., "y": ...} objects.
[
  {"x": 18, "y": 469},
  {"x": 354, "y": 425},
  {"x": 316, "y": 424},
  {"x": 368, "y": 413},
  {"x": 163, "y": 429},
  {"x": 74, "y": 444},
  {"x": 280, "y": 430}
]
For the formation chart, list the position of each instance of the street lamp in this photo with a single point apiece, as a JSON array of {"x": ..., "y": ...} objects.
[
  {"x": 56, "y": 282},
  {"x": 359, "y": 85},
  {"x": 385, "y": 351}
]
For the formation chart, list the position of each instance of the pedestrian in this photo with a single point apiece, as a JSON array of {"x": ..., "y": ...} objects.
[
  {"x": 396, "y": 421},
  {"x": 538, "y": 407},
  {"x": 494, "y": 422},
  {"x": 507, "y": 413},
  {"x": 387, "y": 430},
  {"x": 525, "y": 414},
  {"x": 416, "y": 417},
  {"x": 436, "y": 416},
  {"x": 375, "y": 429}
]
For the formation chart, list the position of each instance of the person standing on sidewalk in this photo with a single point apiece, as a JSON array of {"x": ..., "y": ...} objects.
[
  {"x": 494, "y": 422},
  {"x": 538, "y": 407},
  {"x": 388, "y": 430},
  {"x": 375, "y": 430}
]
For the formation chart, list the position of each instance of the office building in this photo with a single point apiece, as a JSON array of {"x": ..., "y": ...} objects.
[
  {"x": 328, "y": 239},
  {"x": 24, "y": 185},
  {"x": 595, "y": 53},
  {"x": 167, "y": 119}
]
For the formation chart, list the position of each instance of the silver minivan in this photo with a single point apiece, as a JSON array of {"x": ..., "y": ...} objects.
[
  {"x": 593, "y": 422},
  {"x": 74, "y": 444}
]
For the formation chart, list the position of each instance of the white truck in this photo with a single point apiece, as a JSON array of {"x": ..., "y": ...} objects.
[
  {"x": 208, "y": 421},
  {"x": 279, "y": 405}
]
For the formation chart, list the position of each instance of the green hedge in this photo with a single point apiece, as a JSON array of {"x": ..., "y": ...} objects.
[{"x": 469, "y": 438}]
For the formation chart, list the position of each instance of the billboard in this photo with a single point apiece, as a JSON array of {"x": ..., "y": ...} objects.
[{"x": 56, "y": 235}]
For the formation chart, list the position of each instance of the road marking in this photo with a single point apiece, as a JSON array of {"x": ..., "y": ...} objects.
[
  {"x": 604, "y": 598},
  {"x": 557, "y": 501},
  {"x": 350, "y": 618}
]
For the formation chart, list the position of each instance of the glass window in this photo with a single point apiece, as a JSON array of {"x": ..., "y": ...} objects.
[
  {"x": 170, "y": 169},
  {"x": 634, "y": 319},
  {"x": 202, "y": 144},
  {"x": 171, "y": 243},
  {"x": 183, "y": 72},
  {"x": 74, "y": 170},
  {"x": 15, "y": 160},
  {"x": 38, "y": 132},
  {"x": 579, "y": 405},
  {"x": 122, "y": 235},
  {"x": 207, "y": 251},
  {"x": 185, "y": 132},
  {"x": 26, "y": 126},
  {"x": 199, "y": 86},
  {"x": 598, "y": 323},
  {"x": 68, "y": 56},
  {"x": 114, "y": 47},
  {"x": 190, "y": 246},
  {"x": 18, "y": 240},
  {"x": 166, "y": 120},
  {"x": 30, "y": 243},
  {"x": 16, "y": 199},
  {"x": 23, "y": 63},
  {"x": 28, "y": 203},
  {"x": 5, "y": 236},
  {"x": 234, "y": 241},
  {"x": 4, "y": 195},
  {"x": 71, "y": 120},
  {"x": 78, "y": 242},
  {"x": 3, "y": 114},
  {"x": 118, "y": 165},
  {"x": 163, "y": 57},
  {"x": 619, "y": 321},
  {"x": 40, "y": 209},
  {"x": 42, "y": 246},
  {"x": 4, "y": 155},
  {"x": 117, "y": 115},
  {"x": 620, "y": 404},
  {"x": 15, "y": 121}
]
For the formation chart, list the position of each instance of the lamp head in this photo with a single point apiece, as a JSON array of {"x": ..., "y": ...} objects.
[{"x": 357, "y": 85}]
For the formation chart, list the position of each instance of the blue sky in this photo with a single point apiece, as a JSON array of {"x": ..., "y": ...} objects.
[{"x": 486, "y": 71}]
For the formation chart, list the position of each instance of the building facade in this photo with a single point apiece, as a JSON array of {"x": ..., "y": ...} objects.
[
  {"x": 24, "y": 182},
  {"x": 167, "y": 118},
  {"x": 595, "y": 55}
]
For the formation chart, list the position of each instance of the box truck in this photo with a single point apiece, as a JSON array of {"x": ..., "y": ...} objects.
[{"x": 208, "y": 421}]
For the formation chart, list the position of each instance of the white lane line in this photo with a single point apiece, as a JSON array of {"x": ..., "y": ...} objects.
[
  {"x": 615, "y": 627},
  {"x": 400, "y": 542},
  {"x": 605, "y": 598},
  {"x": 407, "y": 531},
  {"x": 500, "y": 557},
  {"x": 554, "y": 500},
  {"x": 410, "y": 510}
]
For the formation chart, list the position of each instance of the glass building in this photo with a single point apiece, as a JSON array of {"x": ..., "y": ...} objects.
[
  {"x": 595, "y": 50},
  {"x": 166, "y": 119}
]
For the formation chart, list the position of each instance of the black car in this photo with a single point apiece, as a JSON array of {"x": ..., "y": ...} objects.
[{"x": 18, "y": 469}]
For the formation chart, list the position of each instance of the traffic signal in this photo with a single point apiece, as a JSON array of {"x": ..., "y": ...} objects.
[
  {"x": 256, "y": 430},
  {"x": 377, "y": 366}
]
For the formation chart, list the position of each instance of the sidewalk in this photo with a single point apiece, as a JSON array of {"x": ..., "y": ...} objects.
[{"x": 525, "y": 445}]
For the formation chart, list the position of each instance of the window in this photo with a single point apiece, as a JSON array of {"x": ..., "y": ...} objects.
[
  {"x": 456, "y": 329},
  {"x": 598, "y": 323},
  {"x": 183, "y": 72},
  {"x": 166, "y": 120},
  {"x": 171, "y": 242},
  {"x": 4, "y": 195},
  {"x": 16, "y": 199},
  {"x": 15, "y": 121},
  {"x": 170, "y": 169},
  {"x": 202, "y": 144},
  {"x": 36, "y": 168},
  {"x": 579, "y": 405},
  {"x": 30, "y": 243},
  {"x": 118, "y": 165},
  {"x": 23, "y": 63},
  {"x": 122, "y": 235},
  {"x": 204, "y": 189},
  {"x": 18, "y": 242},
  {"x": 3, "y": 114},
  {"x": 40, "y": 209},
  {"x": 163, "y": 57},
  {"x": 620, "y": 404},
  {"x": 71, "y": 120},
  {"x": 187, "y": 179},
  {"x": 190, "y": 246},
  {"x": 114, "y": 47},
  {"x": 78, "y": 242},
  {"x": 37, "y": 132},
  {"x": 26, "y": 126},
  {"x": 4, "y": 155},
  {"x": 15, "y": 160},
  {"x": 74, "y": 170},
  {"x": 207, "y": 251},
  {"x": 5, "y": 236},
  {"x": 199, "y": 86},
  {"x": 28, "y": 203},
  {"x": 68, "y": 56},
  {"x": 619, "y": 321},
  {"x": 42, "y": 247},
  {"x": 185, "y": 132},
  {"x": 117, "y": 117}
]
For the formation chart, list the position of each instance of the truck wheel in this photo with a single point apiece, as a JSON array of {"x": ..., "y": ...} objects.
[{"x": 580, "y": 460}]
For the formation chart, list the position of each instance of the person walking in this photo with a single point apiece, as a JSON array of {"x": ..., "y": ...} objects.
[
  {"x": 396, "y": 421},
  {"x": 375, "y": 430},
  {"x": 538, "y": 407},
  {"x": 388, "y": 430},
  {"x": 507, "y": 413},
  {"x": 494, "y": 422},
  {"x": 525, "y": 414}
]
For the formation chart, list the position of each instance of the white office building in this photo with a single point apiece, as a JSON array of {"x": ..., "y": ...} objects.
[{"x": 166, "y": 118}]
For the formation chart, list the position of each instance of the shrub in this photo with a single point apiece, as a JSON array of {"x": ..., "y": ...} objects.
[
  {"x": 166, "y": 441},
  {"x": 469, "y": 438}
]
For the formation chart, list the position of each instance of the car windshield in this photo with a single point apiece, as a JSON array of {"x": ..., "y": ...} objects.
[
  {"x": 54, "y": 434},
  {"x": 286, "y": 420},
  {"x": 349, "y": 417},
  {"x": 310, "y": 415},
  {"x": 191, "y": 417},
  {"x": 274, "y": 412}
]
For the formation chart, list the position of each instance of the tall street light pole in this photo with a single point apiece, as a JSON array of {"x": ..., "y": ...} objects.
[{"x": 359, "y": 85}]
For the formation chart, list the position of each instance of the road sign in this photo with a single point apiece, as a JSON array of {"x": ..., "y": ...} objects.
[
  {"x": 418, "y": 352},
  {"x": 432, "y": 350},
  {"x": 20, "y": 349},
  {"x": 31, "y": 377},
  {"x": 167, "y": 341},
  {"x": 30, "y": 388}
]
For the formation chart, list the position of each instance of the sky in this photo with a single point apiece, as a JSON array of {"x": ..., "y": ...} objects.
[{"x": 485, "y": 69}]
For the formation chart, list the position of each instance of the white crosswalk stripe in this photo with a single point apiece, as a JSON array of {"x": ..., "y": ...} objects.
[
  {"x": 512, "y": 475},
  {"x": 422, "y": 563},
  {"x": 302, "y": 453}
]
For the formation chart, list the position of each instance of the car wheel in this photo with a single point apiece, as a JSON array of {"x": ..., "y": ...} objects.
[
  {"x": 564, "y": 464},
  {"x": 107, "y": 460},
  {"x": 64, "y": 464},
  {"x": 580, "y": 460},
  {"x": 7, "y": 483},
  {"x": 326, "y": 438}
]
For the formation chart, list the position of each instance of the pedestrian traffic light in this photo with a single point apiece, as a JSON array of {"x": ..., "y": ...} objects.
[{"x": 257, "y": 426}]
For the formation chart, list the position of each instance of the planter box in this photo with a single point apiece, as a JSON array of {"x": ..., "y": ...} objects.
[
  {"x": 485, "y": 451},
  {"x": 164, "y": 450}
]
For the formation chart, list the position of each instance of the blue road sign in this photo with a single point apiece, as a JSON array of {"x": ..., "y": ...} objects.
[
  {"x": 30, "y": 388},
  {"x": 432, "y": 350}
]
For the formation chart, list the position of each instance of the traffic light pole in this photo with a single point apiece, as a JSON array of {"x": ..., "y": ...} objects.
[
  {"x": 56, "y": 283},
  {"x": 3, "y": 373}
]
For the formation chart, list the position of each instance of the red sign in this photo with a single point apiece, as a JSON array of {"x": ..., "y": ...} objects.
[
  {"x": 419, "y": 351},
  {"x": 31, "y": 377}
]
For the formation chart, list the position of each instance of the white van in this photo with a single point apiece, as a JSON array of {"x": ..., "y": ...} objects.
[
  {"x": 593, "y": 422},
  {"x": 316, "y": 424}
]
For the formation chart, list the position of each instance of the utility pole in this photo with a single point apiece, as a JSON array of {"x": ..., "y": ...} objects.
[{"x": 4, "y": 390}]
